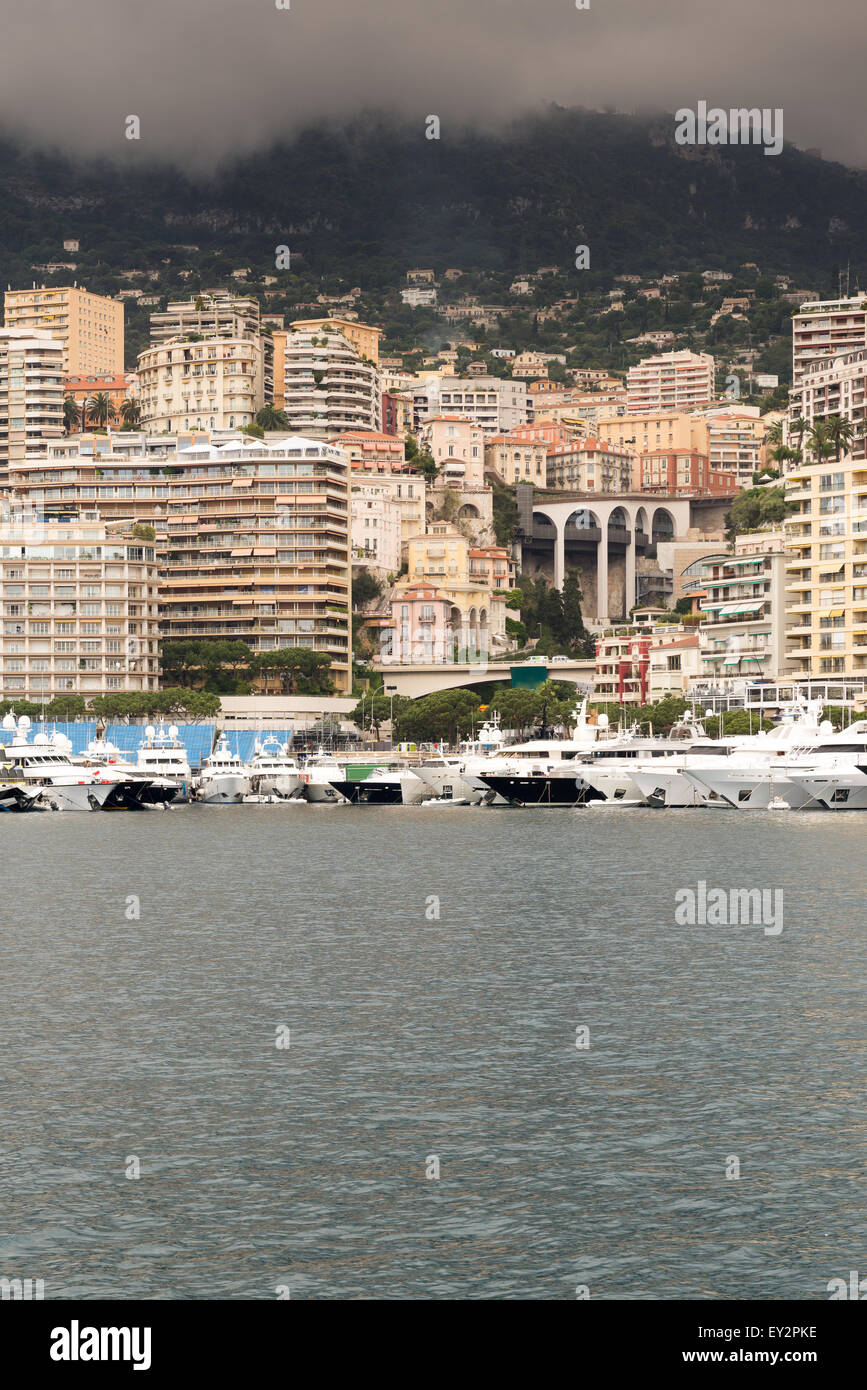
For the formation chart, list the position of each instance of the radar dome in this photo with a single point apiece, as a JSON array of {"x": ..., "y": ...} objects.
[
  {"x": 24, "y": 721},
  {"x": 173, "y": 731},
  {"x": 602, "y": 721},
  {"x": 150, "y": 731}
]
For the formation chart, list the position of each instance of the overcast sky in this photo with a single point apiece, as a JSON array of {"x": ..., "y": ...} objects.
[{"x": 210, "y": 78}]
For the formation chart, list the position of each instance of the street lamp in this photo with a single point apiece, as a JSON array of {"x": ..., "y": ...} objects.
[{"x": 391, "y": 689}]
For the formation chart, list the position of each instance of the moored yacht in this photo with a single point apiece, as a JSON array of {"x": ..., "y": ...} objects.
[
  {"x": 163, "y": 756},
  {"x": 755, "y": 786},
  {"x": 43, "y": 765},
  {"x": 317, "y": 777},
  {"x": 224, "y": 779},
  {"x": 272, "y": 771}
]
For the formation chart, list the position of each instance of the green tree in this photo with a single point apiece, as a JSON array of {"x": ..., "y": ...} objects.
[
  {"x": 101, "y": 408},
  {"x": 71, "y": 414},
  {"x": 130, "y": 412},
  {"x": 270, "y": 418}
]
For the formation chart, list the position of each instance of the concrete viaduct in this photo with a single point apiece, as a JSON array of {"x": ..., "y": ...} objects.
[{"x": 622, "y": 528}]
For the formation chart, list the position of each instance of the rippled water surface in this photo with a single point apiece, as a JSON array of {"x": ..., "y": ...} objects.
[{"x": 412, "y": 1037}]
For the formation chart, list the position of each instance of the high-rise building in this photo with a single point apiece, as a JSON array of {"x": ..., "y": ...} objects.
[
  {"x": 496, "y": 405},
  {"x": 258, "y": 548},
  {"x": 89, "y": 326},
  {"x": 79, "y": 603},
  {"x": 826, "y": 584},
  {"x": 670, "y": 381},
  {"x": 825, "y": 329},
  {"x": 834, "y": 386},
  {"x": 31, "y": 395},
  {"x": 331, "y": 384},
  {"x": 209, "y": 384}
]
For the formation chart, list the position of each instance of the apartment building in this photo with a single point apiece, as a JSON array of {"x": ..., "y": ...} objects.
[
  {"x": 457, "y": 446},
  {"x": 676, "y": 472},
  {"x": 212, "y": 384},
  {"x": 89, "y": 326},
  {"x": 737, "y": 441},
  {"x": 835, "y": 386},
  {"x": 531, "y": 365},
  {"x": 742, "y": 600},
  {"x": 330, "y": 381},
  {"x": 215, "y": 314},
  {"x": 670, "y": 381},
  {"x": 826, "y": 568},
  {"x": 588, "y": 465},
  {"x": 478, "y": 611},
  {"x": 79, "y": 603},
  {"x": 120, "y": 474},
  {"x": 377, "y": 527},
  {"x": 521, "y": 456},
  {"x": 258, "y": 548},
  {"x": 496, "y": 406},
  {"x": 363, "y": 336},
  {"x": 371, "y": 451},
  {"x": 656, "y": 430},
  {"x": 31, "y": 395},
  {"x": 118, "y": 388},
  {"x": 825, "y": 329}
]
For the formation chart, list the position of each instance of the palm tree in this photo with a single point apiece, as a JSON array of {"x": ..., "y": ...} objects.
[
  {"x": 272, "y": 419},
  {"x": 798, "y": 428},
  {"x": 841, "y": 433},
  {"x": 101, "y": 408},
  {"x": 71, "y": 414},
  {"x": 131, "y": 411},
  {"x": 819, "y": 440},
  {"x": 775, "y": 434}
]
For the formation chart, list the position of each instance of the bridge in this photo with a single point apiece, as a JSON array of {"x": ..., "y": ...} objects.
[
  {"x": 618, "y": 527},
  {"x": 421, "y": 678}
]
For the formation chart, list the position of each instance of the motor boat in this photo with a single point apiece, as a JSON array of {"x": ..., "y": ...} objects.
[
  {"x": 162, "y": 755},
  {"x": 43, "y": 765},
  {"x": 224, "y": 779},
  {"x": 383, "y": 786},
  {"x": 753, "y": 786},
  {"x": 318, "y": 775},
  {"x": 272, "y": 771}
]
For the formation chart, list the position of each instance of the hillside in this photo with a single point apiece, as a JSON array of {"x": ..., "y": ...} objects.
[{"x": 358, "y": 205}]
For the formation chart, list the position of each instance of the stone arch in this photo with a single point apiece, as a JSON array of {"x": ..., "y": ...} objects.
[
  {"x": 641, "y": 522},
  {"x": 469, "y": 512}
]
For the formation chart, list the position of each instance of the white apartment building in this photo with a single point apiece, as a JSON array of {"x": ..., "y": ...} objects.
[
  {"x": 218, "y": 383},
  {"x": 496, "y": 406},
  {"x": 743, "y": 606},
  {"x": 835, "y": 387},
  {"x": 670, "y": 381},
  {"x": 79, "y": 606},
  {"x": 31, "y": 395},
  {"x": 377, "y": 520},
  {"x": 417, "y": 297},
  {"x": 215, "y": 314},
  {"x": 825, "y": 329},
  {"x": 330, "y": 387}
]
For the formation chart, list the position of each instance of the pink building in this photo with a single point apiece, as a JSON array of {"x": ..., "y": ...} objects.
[
  {"x": 457, "y": 446},
  {"x": 421, "y": 626}
]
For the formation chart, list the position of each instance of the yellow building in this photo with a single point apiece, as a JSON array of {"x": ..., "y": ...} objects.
[
  {"x": 364, "y": 338},
  {"x": 826, "y": 569},
  {"x": 443, "y": 557},
  {"x": 89, "y": 326},
  {"x": 669, "y": 430}
]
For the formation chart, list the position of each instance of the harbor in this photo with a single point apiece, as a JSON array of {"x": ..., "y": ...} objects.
[{"x": 800, "y": 763}]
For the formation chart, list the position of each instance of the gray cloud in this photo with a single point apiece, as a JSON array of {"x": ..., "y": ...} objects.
[{"x": 210, "y": 78}]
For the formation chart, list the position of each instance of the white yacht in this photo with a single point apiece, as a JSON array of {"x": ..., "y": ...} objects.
[
  {"x": 791, "y": 778},
  {"x": 681, "y": 779},
  {"x": 843, "y": 789},
  {"x": 539, "y": 756},
  {"x": 224, "y": 779},
  {"x": 45, "y": 766},
  {"x": 317, "y": 776},
  {"x": 441, "y": 772},
  {"x": 162, "y": 755},
  {"x": 392, "y": 785},
  {"x": 272, "y": 771}
]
